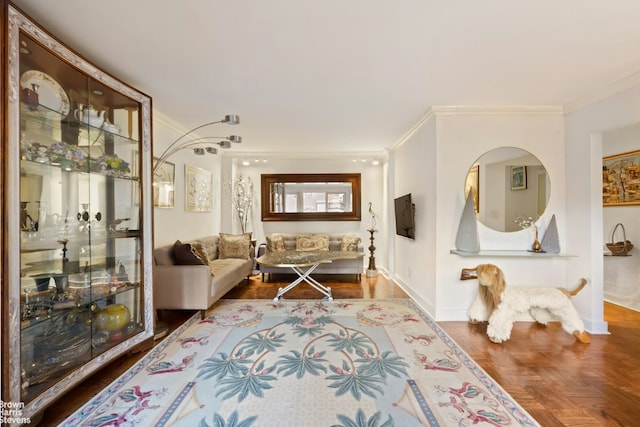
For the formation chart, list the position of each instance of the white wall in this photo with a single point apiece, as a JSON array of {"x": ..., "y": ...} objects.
[
  {"x": 414, "y": 169},
  {"x": 171, "y": 224},
  {"x": 622, "y": 274},
  {"x": 447, "y": 145},
  {"x": 584, "y": 150}
]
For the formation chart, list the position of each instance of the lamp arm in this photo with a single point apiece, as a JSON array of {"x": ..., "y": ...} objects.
[
  {"x": 172, "y": 145},
  {"x": 188, "y": 144},
  {"x": 176, "y": 145}
]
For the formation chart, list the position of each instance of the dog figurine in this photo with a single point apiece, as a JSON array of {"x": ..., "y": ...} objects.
[{"x": 499, "y": 304}]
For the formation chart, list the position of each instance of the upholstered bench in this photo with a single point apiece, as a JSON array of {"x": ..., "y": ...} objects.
[{"x": 327, "y": 241}]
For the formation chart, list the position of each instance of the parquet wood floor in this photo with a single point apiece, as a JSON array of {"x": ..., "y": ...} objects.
[{"x": 558, "y": 381}]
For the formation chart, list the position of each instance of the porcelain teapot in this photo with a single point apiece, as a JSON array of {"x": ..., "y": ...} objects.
[{"x": 89, "y": 115}]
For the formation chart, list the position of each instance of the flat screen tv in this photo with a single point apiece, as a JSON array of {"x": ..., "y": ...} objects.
[{"x": 405, "y": 216}]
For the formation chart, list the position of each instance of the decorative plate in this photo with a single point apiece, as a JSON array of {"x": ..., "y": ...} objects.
[{"x": 50, "y": 93}]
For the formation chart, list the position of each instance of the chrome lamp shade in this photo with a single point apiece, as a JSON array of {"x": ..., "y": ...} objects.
[{"x": 200, "y": 145}]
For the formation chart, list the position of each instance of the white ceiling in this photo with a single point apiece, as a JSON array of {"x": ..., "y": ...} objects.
[{"x": 335, "y": 75}]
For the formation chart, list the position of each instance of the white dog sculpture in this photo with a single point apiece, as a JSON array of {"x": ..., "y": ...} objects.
[{"x": 499, "y": 304}]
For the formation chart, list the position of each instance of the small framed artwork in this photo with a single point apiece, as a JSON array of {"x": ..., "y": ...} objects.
[
  {"x": 621, "y": 179},
  {"x": 473, "y": 184},
  {"x": 198, "y": 197},
  {"x": 163, "y": 185},
  {"x": 518, "y": 177}
]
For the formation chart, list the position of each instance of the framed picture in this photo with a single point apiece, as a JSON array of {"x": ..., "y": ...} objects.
[
  {"x": 163, "y": 185},
  {"x": 473, "y": 183},
  {"x": 621, "y": 179},
  {"x": 198, "y": 197},
  {"x": 518, "y": 177}
]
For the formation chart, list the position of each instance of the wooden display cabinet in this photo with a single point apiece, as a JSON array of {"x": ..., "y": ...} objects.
[{"x": 76, "y": 216}]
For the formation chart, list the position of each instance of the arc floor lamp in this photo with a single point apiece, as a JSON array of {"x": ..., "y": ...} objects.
[{"x": 200, "y": 146}]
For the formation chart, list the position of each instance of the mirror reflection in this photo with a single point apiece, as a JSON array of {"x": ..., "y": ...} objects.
[
  {"x": 508, "y": 182},
  {"x": 294, "y": 197},
  {"x": 310, "y": 197}
]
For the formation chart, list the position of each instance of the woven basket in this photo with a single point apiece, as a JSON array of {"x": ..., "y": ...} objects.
[{"x": 619, "y": 248}]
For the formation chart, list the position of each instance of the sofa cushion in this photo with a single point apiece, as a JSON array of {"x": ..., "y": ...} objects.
[
  {"x": 190, "y": 253},
  {"x": 350, "y": 243},
  {"x": 314, "y": 242},
  {"x": 235, "y": 245},
  {"x": 275, "y": 243},
  {"x": 227, "y": 271},
  {"x": 210, "y": 245}
]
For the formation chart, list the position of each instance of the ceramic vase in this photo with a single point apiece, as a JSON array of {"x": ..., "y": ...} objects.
[{"x": 467, "y": 239}]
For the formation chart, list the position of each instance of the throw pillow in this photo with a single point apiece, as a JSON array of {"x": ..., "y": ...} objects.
[
  {"x": 275, "y": 243},
  {"x": 235, "y": 245},
  {"x": 190, "y": 253},
  {"x": 210, "y": 246},
  {"x": 316, "y": 242},
  {"x": 349, "y": 243}
]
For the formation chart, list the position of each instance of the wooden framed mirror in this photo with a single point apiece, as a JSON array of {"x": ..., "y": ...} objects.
[{"x": 311, "y": 197}]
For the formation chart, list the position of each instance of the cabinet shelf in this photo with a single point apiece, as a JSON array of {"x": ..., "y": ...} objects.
[
  {"x": 76, "y": 200},
  {"x": 74, "y": 159},
  {"x": 62, "y": 307},
  {"x": 47, "y": 123},
  {"x": 39, "y": 243}
]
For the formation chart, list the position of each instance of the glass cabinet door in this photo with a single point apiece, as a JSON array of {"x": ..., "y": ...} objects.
[{"x": 79, "y": 266}]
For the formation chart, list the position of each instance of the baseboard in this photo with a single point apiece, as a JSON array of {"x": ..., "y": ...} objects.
[
  {"x": 597, "y": 327},
  {"x": 424, "y": 305}
]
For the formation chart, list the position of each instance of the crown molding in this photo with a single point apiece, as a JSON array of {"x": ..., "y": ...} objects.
[
  {"x": 497, "y": 109},
  {"x": 428, "y": 116},
  {"x": 166, "y": 121},
  {"x": 607, "y": 91},
  {"x": 281, "y": 155},
  {"x": 468, "y": 110}
]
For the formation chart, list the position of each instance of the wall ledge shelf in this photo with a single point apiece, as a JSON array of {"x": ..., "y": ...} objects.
[{"x": 510, "y": 254}]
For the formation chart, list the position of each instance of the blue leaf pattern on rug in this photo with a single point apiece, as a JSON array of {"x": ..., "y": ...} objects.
[
  {"x": 222, "y": 365},
  {"x": 352, "y": 363},
  {"x": 357, "y": 376},
  {"x": 254, "y": 382},
  {"x": 362, "y": 421},
  {"x": 233, "y": 421},
  {"x": 299, "y": 364}
]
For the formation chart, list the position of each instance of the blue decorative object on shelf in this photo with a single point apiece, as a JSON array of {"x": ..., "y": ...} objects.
[
  {"x": 550, "y": 242},
  {"x": 467, "y": 239}
]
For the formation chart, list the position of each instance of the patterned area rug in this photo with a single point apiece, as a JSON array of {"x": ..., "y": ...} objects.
[{"x": 346, "y": 363}]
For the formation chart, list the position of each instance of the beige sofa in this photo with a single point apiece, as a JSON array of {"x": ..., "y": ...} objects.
[
  {"x": 185, "y": 284},
  {"x": 336, "y": 241}
]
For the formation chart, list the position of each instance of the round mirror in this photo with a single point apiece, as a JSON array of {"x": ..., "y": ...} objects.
[{"x": 508, "y": 183}]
